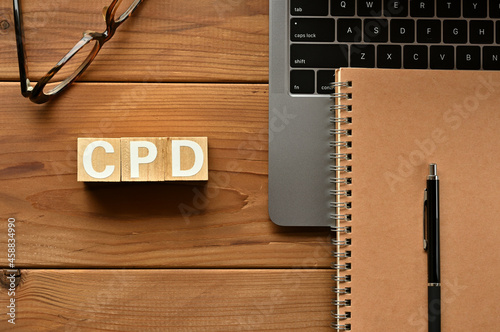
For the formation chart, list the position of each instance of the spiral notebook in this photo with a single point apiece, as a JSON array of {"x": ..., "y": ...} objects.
[{"x": 389, "y": 125}]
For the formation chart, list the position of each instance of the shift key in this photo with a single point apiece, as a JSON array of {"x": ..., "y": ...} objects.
[
  {"x": 318, "y": 56},
  {"x": 312, "y": 29}
]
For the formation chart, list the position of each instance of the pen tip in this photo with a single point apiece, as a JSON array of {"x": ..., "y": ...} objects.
[{"x": 433, "y": 169}]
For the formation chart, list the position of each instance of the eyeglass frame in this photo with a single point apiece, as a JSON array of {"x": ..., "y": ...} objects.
[{"x": 36, "y": 93}]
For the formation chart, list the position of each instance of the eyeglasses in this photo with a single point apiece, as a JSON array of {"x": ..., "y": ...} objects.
[{"x": 92, "y": 41}]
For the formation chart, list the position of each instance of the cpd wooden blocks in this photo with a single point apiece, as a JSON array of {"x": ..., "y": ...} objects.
[{"x": 143, "y": 159}]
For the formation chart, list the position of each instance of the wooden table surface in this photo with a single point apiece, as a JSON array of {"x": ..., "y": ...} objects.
[{"x": 151, "y": 256}]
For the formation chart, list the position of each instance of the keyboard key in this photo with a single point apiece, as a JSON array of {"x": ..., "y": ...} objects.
[
  {"x": 402, "y": 31},
  {"x": 389, "y": 56},
  {"x": 376, "y": 31},
  {"x": 481, "y": 32},
  {"x": 302, "y": 81},
  {"x": 396, "y": 8},
  {"x": 422, "y": 8},
  {"x": 475, "y": 8},
  {"x": 318, "y": 56},
  {"x": 415, "y": 57},
  {"x": 349, "y": 30},
  {"x": 369, "y": 7},
  {"x": 495, "y": 8},
  {"x": 428, "y": 31},
  {"x": 491, "y": 57},
  {"x": 455, "y": 31},
  {"x": 325, "y": 77},
  {"x": 442, "y": 57},
  {"x": 309, "y": 8},
  {"x": 312, "y": 29},
  {"x": 342, "y": 8},
  {"x": 363, "y": 56},
  {"x": 468, "y": 57},
  {"x": 448, "y": 8}
]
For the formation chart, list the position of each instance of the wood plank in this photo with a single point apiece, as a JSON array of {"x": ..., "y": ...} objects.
[
  {"x": 164, "y": 40},
  {"x": 222, "y": 223},
  {"x": 172, "y": 300}
]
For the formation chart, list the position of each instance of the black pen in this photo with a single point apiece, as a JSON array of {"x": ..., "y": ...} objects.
[{"x": 431, "y": 245}]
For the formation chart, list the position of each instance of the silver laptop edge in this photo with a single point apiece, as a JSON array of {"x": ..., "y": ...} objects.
[{"x": 298, "y": 138}]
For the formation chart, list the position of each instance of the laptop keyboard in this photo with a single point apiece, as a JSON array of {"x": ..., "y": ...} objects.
[{"x": 442, "y": 34}]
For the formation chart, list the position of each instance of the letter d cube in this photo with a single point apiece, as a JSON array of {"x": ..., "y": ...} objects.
[
  {"x": 187, "y": 159},
  {"x": 99, "y": 160}
]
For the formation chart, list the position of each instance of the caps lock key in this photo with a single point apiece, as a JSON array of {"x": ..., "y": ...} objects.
[{"x": 313, "y": 30}]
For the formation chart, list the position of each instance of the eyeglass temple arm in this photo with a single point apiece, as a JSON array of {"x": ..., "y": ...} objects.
[{"x": 21, "y": 53}]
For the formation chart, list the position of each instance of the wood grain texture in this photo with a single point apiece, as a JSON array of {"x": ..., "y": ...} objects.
[
  {"x": 220, "y": 223},
  {"x": 172, "y": 300},
  {"x": 164, "y": 41},
  {"x": 203, "y": 242}
]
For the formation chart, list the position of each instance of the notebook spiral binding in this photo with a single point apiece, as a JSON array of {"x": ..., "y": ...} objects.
[{"x": 341, "y": 181}]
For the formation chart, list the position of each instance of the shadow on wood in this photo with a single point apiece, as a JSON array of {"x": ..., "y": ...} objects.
[{"x": 138, "y": 200}]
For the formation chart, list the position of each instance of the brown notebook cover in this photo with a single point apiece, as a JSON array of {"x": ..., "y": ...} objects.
[{"x": 401, "y": 121}]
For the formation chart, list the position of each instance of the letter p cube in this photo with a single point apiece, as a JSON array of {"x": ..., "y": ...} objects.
[{"x": 143, "y": 159}]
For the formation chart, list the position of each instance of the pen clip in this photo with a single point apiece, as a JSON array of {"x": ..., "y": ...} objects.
[{"x": 425, "y": 221}]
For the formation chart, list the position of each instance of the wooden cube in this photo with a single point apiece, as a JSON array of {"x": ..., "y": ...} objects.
[
  {"x": 143, "y": 159},
  {"x": 186, "y": 159},
  {"x": 99, "y": 160}
]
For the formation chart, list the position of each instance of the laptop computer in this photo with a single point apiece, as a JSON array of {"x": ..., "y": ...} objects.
[{"x": 309, "y": 39}]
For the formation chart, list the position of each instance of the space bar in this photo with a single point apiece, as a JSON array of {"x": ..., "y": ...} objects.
[{"x": 318, "y": 56}]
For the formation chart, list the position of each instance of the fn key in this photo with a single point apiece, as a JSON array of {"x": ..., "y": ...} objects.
[{"x": 302, "y": 81}]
